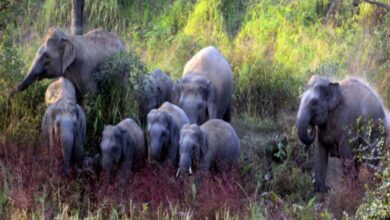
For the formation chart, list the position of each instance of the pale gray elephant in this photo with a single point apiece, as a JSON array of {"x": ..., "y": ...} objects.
[
  {"x": 213, "y": 146},
  {"x": 74, "y": 57},
  {"x": 157, "y": 90},
  {"x": 59, "y": 89},
  {"x": 123, "y": 145},
  {"x": 335, "y": 113},
  {"x": 205, "y": 91},
  {"x": 64, "y": 123},
  {"x": 163, "y": 126}
]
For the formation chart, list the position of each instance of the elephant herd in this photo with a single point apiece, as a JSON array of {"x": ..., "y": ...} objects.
[{"x": 187, "y": 121}]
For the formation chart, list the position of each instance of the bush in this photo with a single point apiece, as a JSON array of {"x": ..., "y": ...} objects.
[
  {"x": 264, "y": 88},
  {"x": 119, "y": 84},
  {"x": 376, "y": 204},
  {"x": 20, "y": 116}
]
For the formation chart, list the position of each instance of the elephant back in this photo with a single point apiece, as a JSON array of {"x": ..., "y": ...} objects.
[
  {"x": 212, "y": 65},
  {"x": 136, "y": 134},
  {"x": 178, "y": 115},
  {"x": 60, "y": 89},
  {"x": 361, "y": 99},
  {"x": 105, "y": 39}
]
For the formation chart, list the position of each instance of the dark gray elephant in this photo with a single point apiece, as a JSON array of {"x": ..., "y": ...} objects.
[
  {"x": 163, "y": 125},
  {"x": 205, "y": 91},
  {"x": 64, "y": 123},
  {"x": 123, "y": 145},
  {"x": 59, "y": 89},
  {"x": 157, "y": 90},
  {"x": 212, "y": 146},
  {"x": 335, "y": 114},
  {"x": 73, "y": 57}
]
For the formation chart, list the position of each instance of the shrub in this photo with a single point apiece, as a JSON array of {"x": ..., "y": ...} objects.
[
  {"x": 264, "y": 88},
  {"x": 376, "y": 203},
  {"x": 20, "y": 116},
  {"x": 119, "y": 84}
]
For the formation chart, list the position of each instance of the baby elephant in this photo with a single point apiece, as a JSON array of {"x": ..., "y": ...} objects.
[
  {"x": 157, "y": 90},
  {"x": 123, "y": 145},
  {"x": 163, "y": 127},
  {"x": 212, "y": 146},
  {"x": 60, "y": 89},
  {"x": 64, "y": 123}
]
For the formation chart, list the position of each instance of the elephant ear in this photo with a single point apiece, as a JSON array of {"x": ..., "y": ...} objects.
[
  {"x": 48, "y": 124},
  {"x": 68, "y": 54},
  {"x": 211, "y": 101},
  {"x": 175, "y": 94},
  {"x": 333, "y": 95}
]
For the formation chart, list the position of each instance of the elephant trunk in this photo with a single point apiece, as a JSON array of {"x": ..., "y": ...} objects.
[
  {"x": 303, "y": 126},
  {"x": 33, "y": 74},
  {"x": 67, "y": 141},
  {"x": 155, "y": 151},
  {"x": 185, "y": 164}
]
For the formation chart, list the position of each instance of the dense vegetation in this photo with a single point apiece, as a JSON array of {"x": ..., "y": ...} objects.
[{"x": 273, "y": 46}]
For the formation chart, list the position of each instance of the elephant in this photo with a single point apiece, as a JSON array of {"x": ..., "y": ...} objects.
[
  {"x": 213, "y": 146},
  {"x": 334, "y": 113},
  {"x": 64, "y": 123},
  {"x": 163, "y": 127},
  {"x": 157, "y": 89},
  {"x": 73, "y": 57},
  {"x": 60, "y": 89},
  {"x": 123, "y": 145},
  {"x": 205, "y": 90}
]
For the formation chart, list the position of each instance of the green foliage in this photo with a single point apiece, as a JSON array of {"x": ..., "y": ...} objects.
[
  {"x": 370, "y": 138},
  {"x": 377, "y": 201},
  {"x": 291, "y": 182},
  {"x": 274, "y": 87},
  {"x": 21, "y": 116},
  {"x": 119, "y": 83}
]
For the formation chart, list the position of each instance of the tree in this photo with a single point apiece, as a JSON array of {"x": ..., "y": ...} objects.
[{"x": 77, "y": 17}]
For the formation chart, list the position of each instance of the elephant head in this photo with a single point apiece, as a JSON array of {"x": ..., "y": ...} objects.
[
  {"x": 320, "y": 98},
  {"x": 191, "y": 149},
  {"x": 196, "y": 96},
  {"x": 52, "y": 59},
  {"x": 113, "y": 146},
  {"x": 162, "y": 131}
]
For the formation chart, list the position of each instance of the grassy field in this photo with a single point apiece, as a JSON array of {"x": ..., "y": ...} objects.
[{"x": 273, "y": 47}]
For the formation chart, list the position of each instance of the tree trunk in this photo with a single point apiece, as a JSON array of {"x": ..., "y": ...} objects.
[{"x": 77, "y": 17}]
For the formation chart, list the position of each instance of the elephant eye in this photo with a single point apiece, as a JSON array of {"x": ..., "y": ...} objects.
[{"x": 314, "y": 102}]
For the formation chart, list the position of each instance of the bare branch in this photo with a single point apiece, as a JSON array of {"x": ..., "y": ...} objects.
[{"x": 380, "y": 4}]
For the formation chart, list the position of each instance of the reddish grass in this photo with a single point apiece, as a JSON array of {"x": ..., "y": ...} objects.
[{"x": 34, "y": 172}]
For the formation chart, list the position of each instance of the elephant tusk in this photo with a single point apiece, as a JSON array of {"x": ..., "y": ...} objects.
[
  {"x": 190, "y": 170},
  {"x": 178, "y": 172}
]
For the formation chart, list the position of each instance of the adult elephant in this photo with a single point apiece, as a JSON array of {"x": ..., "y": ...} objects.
[
  {"x": 157, "y": 90},
  {"x": 73, "y": 57},
  {"x": 205, "y": 91},
  {"x": 343, "y": 116}
]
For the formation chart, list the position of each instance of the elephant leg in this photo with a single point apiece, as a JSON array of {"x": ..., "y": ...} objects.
[
  {"x": 77, "y": 155},
  {"x": 67, "y": 159},
  {"x": 228, "y": 114},
  {"x": 321, "y": 155},
  {"x": 346, "y": 154},
  {"x": 173, "y": 154},
  {"x": 125, "y": 171}
]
